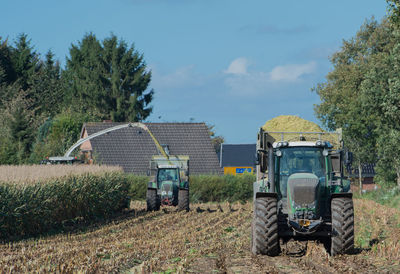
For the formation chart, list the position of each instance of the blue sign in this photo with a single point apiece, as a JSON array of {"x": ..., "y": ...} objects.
[{"x": 241, "y": 170}]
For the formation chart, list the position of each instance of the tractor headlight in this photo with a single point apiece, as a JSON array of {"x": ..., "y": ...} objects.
[
  {"x": 282, "y": 144},
  {"x": 325, "y": 152},
  {"x": 320, "y": 143},
  {"x": 278, "y": 153}
]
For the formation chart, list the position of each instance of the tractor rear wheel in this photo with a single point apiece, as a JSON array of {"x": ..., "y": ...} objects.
[
  {"x": 183, "y": 200},
  {"x": 265, "y": 238},
  {"x": 153, "y": 200},
  {"x": 342, "y": 238}
]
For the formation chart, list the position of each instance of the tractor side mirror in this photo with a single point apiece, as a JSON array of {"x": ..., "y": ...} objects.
[
  {"x": 348, "y": 158},
  {"x": 263, "y": 160},
  {"x": 257, "y": 159},
  {"x": 187, "y": 173},
  {"x": 148, "y": 172}
]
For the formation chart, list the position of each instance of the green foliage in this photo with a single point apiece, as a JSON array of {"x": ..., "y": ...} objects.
[
  {"x": 32, "y": 209},
  {"x": 138, "y": 186},
  {"x": 25, "y": 60},
  {"x": 204, "y": 188},
  {"x": 216, "y": 140},
  {"x": 341, "y": 106},
  {"x": 108, "y": 79},
  {"x": 17, "y": 122},
  {"x": 7, "y": 72},
  {"x": 56, "y": 135},
  {"x": 394, "y": 11},
  {"x": 362, "y": 93},
  {"x": 386, "y": 195},
  {"x": 47, "y": 88}
]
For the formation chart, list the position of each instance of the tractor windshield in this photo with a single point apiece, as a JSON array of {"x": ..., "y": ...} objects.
[
  {"x": 299, "y": 160},
  {"x": 167, "y": 174}
]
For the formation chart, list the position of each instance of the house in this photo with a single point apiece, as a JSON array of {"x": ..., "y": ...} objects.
[
  {"x": 367, "y": 175},
  {"x": 237, "y": 158},
  {"x": 132, "y": 147}
]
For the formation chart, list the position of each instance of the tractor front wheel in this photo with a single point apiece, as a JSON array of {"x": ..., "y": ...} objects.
[
  {"x": 183, "y": 200},
  {"x": 264, "y": 232},
  {"x": 342, "y": 238},
  {"x": 153, "y": 200}
]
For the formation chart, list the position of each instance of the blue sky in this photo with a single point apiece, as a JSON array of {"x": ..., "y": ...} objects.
[{"x": 234, "y": 64}]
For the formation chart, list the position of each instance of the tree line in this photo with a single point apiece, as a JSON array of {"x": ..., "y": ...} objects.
[
  {"x": 361, "y": 94},
  {"x": 43, "y": 106}
]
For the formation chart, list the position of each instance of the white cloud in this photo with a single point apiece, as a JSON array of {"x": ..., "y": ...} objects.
[
  {"x": 181, "y": 77},
  {"x": 241, "y": 81},
  {"x": 238, "y": 66},
  {"x": 291, "y": 73}
]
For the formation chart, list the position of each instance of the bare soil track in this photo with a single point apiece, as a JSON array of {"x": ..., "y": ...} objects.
[{"x": 211, "y": 238}]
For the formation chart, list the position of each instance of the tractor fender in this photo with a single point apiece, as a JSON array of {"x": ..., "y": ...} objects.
[
  {"x": 342, "y": 195},
  {"x": 267, "y": 194},
  {"x": 259, "y": 191}
]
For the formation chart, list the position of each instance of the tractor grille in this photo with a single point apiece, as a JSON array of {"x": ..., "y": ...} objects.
[
  {"x": 166, "y": 187},
  {"x": 303, "y": 191}
]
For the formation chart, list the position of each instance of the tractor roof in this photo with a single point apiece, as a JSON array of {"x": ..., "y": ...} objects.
[
  {"x": 167, "y": 166},
  {"x": 302, "y": 144}
]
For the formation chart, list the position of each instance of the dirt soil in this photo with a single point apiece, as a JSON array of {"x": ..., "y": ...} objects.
[{"x": 211, "y": 238}]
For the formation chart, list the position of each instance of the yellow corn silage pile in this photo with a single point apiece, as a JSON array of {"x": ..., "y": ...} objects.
[{"x": 292, "y": 123}]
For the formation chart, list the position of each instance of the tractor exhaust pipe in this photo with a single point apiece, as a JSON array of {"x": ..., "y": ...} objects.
[{"x": 271, "y": 169}]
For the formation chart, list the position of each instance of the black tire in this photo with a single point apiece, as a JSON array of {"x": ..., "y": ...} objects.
[
  {"x": 265, "y": 239},
  {"x": 183, "y": 200},
  {"x": 342, "y": 238},
  {"x": 153, "y": 200}
]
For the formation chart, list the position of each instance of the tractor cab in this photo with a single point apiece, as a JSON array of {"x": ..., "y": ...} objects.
[{"x": 301, "y": 182}]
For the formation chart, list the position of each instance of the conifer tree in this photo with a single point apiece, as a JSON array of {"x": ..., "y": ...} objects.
[{"x": 108, "y": 79}]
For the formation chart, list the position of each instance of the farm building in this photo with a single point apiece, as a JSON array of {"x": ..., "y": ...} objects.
[
  {"x": 132, "y": 147},
  {"x": 237, "y": 158},
  {"x": 367, "y": 175}
]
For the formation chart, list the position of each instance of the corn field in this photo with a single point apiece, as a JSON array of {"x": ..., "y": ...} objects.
[
  {"x": 59, "y": 203},
  {"x": 34, "y": 173}
]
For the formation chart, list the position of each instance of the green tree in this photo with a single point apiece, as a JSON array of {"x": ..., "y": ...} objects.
[
  {"x": 57, "y": 134},
  {"x": 216, "y": 140},
  {"x": 343, "y": 100},
  {"x": 25, "y": 60},
  {"x": 30, "y": 89},
  {"x": 7, "y": 73},
  {"x": 108, "y": 79},
  {"x": 46, "y": 87},
  {"x": 18, "y": 126}
]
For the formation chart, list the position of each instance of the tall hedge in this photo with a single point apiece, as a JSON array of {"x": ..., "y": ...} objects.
[
  {"x": 204, "y": 188},
  {"x": 213, "y": 188},
  {"x": 35, "y": 208}
]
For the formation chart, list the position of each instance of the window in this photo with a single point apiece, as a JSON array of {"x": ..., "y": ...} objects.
[
  {"x": 299, "y": 160},
  {"x": 167, "y": 174}
]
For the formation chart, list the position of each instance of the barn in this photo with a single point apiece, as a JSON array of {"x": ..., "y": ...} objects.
[{"x": 132, "y": 147}]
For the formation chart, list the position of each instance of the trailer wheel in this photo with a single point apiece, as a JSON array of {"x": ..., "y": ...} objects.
[
  {"x": 183, "y": 200},
  {"x": 153, "y": 200},
  {"x": 342, "y": 238},
  {"x": 265, "y": 238}
]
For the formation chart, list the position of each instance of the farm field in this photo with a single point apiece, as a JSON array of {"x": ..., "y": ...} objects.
[
  {"x": 211, "y": 238},
  {"x": 33, "y": 173}
]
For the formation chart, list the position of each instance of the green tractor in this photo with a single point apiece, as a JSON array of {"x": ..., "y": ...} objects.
[
  {"x": 301, "y": 193},
  {"x": 169, "y": 185}
]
